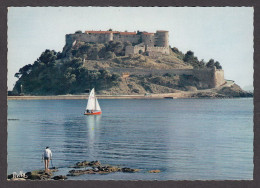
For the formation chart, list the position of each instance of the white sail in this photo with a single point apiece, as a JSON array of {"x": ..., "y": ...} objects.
[
  {"x": 97, "y": 106},
  {"x": 91, "y": 101}
]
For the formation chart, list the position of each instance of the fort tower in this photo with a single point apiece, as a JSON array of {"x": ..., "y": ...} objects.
[{"x": 153, "y": 43}]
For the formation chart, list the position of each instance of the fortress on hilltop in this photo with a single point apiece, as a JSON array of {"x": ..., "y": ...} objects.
[
  {"x": 124, "y": 63},
  {"x": 152, "y": 43}
]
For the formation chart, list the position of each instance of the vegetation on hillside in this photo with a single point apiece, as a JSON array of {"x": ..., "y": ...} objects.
[
  {"x": 50, "y": 75},
  {"x": 95, "y": 51},
  {"x": 189, "y": 58},
  {"x": 112, "y": 50},
  {"x": 83, "y": 66}
]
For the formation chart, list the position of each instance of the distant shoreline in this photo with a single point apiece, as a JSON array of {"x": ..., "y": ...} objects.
[
  {"x": 198, "y": 94},
  {"x": 178, "y": 95},
  {"x": 60, "y": 97}
]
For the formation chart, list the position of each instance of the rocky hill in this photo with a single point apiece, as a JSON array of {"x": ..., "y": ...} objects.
[
  {"x": 86, "y": 65},
  {"x": 111, "y": 54}
]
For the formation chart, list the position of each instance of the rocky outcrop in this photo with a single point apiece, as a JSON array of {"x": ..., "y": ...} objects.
[
  {"x": 35, "y": 175},
  {"x": 226, "y": 91},
  {"x": 95, "y": 167},
  {"x": 234, "y": 91},
  {"x": 129, "y": 170},
  {"x": 207, "y": 95},
  {"x": 38, "y": 175},
  {"x": 86, "y": 164}
]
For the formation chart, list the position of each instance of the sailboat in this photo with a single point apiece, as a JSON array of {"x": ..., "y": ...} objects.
[{"x": 93, "y": 107}]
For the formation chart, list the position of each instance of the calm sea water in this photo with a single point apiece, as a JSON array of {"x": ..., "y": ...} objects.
[{"x": 187, "y": 139}]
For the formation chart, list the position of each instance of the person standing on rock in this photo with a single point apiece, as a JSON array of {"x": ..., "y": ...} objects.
[{"x": 47, "y": 156}]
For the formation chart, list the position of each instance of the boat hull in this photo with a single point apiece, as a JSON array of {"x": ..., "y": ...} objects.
[{"x": 94, "y": 113}]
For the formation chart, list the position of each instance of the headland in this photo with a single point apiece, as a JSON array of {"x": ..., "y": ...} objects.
[{"x": 121, "y": 65}]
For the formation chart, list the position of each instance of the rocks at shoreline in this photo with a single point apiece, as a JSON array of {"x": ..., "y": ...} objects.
[
  {"x": 207, "y": 95},
  {"x": 93, "y": 167},
  {"x": 234, "y": 91},
  {"x": 97, "y": 168},
  {"x": 129, "y": 170},
  {"x": 86, "y": 164},
  {"x": 35, "y": 175}
]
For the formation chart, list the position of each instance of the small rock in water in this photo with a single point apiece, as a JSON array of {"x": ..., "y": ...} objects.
[
  {"x": 154, "y": 171},
  {"x": 129, "y": 170},
  {"x": 94, "y": 163},
  {"x": 86, "y": 163}
]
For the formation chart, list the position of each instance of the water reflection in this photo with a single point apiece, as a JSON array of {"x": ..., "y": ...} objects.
[{"x": 92, "y": 122}]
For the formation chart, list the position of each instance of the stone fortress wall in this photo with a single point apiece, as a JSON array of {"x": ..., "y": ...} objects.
[
  {"x": 219, "y": 77},
  {"x": 134, "y": 49},
  {"x": 153, "y": 43},
  {"x": 208, "y": 78},
  {"x": 163, "y": 50}
]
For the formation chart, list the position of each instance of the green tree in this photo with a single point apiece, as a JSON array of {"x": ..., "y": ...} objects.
[
  {"x": 189, "y": 56},
  {"x": 217, "y": 65},
  {"x": 210, "y": 63},
  {"x": 201, "y": 64},
  {"x": 78, "y": 32},
  {"x": 25, "y": 70},
  {"x": 192, "y": 60},
  {"x": 48, "y": 57}
]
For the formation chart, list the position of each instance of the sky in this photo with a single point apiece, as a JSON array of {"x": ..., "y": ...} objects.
[{"x": 224, "y": 34}]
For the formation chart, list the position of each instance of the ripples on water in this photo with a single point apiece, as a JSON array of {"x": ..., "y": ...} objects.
[{"x": 187, "y": 139}]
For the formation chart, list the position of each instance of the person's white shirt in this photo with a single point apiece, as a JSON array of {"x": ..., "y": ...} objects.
[{"x": 47, "y": 153}]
